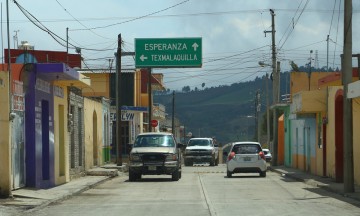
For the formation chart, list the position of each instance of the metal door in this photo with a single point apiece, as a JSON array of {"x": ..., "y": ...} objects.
[{"x": 18, "y": 150}]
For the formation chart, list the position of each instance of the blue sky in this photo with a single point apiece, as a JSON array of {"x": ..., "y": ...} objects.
[{"x": 232, "y": 32}]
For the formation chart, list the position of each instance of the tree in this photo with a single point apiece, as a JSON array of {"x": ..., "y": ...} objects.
[
  {"x": 186, "y": 89},
  {"x": 203, "y": 85}
]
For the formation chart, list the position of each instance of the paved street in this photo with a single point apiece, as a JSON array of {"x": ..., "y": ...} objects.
[{"x": 205, "y": 190}]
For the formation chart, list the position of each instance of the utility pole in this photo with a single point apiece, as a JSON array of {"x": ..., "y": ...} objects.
[
  {"x": 276, "y": 89},
  {"x": 327, "y": 54},
  {"x": 347, "y": 112},
  {"x": 118, "y": 104},
  {"x": 173, "y": 114},
  {"x": 150, "y": 99},
  {"x": 267, "y": 111},
  {"x": 257, "y": 112}
]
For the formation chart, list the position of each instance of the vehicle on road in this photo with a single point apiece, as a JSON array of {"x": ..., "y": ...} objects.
[
  {"x": 155, "y": 154},
  {"x": 246, "y": 157},
  {"x": 201, "y": 150},
  {"x": 267, "y": 154}
]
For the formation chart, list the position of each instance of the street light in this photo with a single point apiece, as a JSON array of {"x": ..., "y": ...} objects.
[{"x": 262, "y": 64}]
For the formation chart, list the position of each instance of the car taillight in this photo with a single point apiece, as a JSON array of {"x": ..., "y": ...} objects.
[
  {"x": 262, "y": 156},
  {"x": 231, "y": 155}
]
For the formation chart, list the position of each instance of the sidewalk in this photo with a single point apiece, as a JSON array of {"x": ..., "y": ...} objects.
[
  {"x": 325, "y": 183},
  {"x": 31, "y": 198}
]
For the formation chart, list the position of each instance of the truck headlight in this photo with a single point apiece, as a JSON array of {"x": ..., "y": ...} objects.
[
  {"x": 135, "y": 157},
  {"x": 171, "y": 157}
]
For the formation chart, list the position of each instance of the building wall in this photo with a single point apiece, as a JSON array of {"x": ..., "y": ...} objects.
[
  {"x": 61, "y": 166},
  {"x": 100, "y": 85},
  {"x": 356, "y": 139},
  {"x": 39, "y": 133},
  {"x": 93, "y": 132},
  {"x": 5, "y": 133},
  {"x": 106, "y": 131},
  {"x": 330, "y": 131},
  {"x": 303, "y": 143},
  {"x": 76, "y": 133},
  {"x": 281, "y": 140},
  {"x": 299, "y": 81}
]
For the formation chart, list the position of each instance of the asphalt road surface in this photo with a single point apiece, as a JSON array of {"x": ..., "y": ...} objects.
[{"x": 205, "y": 190}]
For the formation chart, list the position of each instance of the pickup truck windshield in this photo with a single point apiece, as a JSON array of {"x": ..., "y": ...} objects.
[
  {"x": 154, "y": 141},
  {"x": 199, "y": 142}
]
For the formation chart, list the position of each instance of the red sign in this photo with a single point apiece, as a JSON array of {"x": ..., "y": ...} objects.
[{"x": 154, "y": 123}]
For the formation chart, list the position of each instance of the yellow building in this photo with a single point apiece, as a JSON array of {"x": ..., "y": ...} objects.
[
  {"x": 5, "y": 134},
  {"x": 316, "y": 116}
]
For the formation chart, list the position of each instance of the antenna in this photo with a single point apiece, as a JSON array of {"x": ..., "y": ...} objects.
[
  {"x": 316, "y": 59},
  {"x": 16, "y": 39}
]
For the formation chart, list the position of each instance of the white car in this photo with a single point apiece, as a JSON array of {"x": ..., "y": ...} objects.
[
  {"x": 246, "y": 157},
  {"x": 267, "y": 154}
]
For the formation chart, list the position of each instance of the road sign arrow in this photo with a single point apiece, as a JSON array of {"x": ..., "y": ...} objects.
[
  {"x": 143, "y": 58},
  {"x": 195, "y": 46}
]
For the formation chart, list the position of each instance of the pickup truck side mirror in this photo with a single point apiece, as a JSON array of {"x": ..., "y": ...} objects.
[{"x": 180, "y": 145}]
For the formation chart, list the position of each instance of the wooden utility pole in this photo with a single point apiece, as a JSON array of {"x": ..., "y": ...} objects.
[
  {"x": 150, "y": 98},
  {"x": 173, "y": 115},
  {"x": 276, "y": 83},
  {"x": 118, "y": 104},
  {"x": 347, "y": 112}
]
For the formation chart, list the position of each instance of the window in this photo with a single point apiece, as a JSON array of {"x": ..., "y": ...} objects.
[{"x": 246, "y": 149}]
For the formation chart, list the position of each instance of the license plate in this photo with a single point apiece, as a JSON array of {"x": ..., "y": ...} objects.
[
  {"x": 247, "y": 159},
  {"x": 152, "y": 168}
]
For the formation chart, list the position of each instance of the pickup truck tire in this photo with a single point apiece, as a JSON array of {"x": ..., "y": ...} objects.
[
  {"x": 132, "y": 176},
  {"x": 175, "y": 176},
  {"x": 188, "y": 163}
]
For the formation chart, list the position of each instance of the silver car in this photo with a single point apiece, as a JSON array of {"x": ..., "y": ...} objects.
[{"x": 246, "y": 157}]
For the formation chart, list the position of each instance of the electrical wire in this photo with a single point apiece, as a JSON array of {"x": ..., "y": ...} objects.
[{"x": 134, "y": 19}]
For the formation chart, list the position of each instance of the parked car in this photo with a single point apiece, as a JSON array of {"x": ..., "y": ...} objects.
[
  {"x": 246, "y": 157},
  {"x": 155, "y": 154},
  {"x": 267, "y": 154},
  {"x": 201, "y": 150}
]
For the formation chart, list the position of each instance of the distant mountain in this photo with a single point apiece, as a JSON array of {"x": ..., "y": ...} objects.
[{"x": 226, "y": 112}]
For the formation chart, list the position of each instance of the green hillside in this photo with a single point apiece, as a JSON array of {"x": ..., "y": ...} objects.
[{"x": 226, "y": 112}]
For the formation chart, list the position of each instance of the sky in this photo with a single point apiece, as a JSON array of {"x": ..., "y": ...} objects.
[{"x": 232, "y": 33}]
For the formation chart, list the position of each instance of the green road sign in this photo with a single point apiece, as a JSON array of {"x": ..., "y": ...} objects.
[{"x": 168, "y": 52}]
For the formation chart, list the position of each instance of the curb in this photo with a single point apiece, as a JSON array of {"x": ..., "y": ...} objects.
[
  {"x": 67, "y": 196},
  {"x": 315, "y": 184}
]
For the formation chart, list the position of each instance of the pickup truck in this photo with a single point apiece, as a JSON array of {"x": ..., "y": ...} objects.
[{"x": 201, "y": 150}]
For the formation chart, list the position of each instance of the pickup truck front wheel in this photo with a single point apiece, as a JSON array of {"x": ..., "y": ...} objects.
[{"x": 175, "y": 176}]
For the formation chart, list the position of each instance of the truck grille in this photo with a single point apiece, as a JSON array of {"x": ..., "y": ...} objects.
[
  {"x": 153, "y": 158},
  {"x": 199, "y": 152}
]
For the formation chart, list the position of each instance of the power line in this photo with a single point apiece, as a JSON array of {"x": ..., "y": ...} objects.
[{"x": 134, "y": 19}]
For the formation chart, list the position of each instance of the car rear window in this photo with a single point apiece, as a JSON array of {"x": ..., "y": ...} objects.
[{"x": 246, "y": 149}]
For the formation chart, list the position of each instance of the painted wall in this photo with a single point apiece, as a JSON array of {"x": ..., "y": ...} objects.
[
  {"x": 93, "y": 132},
  {"x": 330, "y": 131},
  {"x": 356, "y": 139},
  {"x": 61, "y": 142},
  {"x": 100, "y": 85},
  {"x": 299, "y": 81},
  {"x": 5, "y": 153},
  {"x": 281, "y": 140},
  {"x": 288, "y": 137},
  {"x": 39, "y": 133},
  {"x": 106, "y": 131},
  {"x": 303, "y": 143}
]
